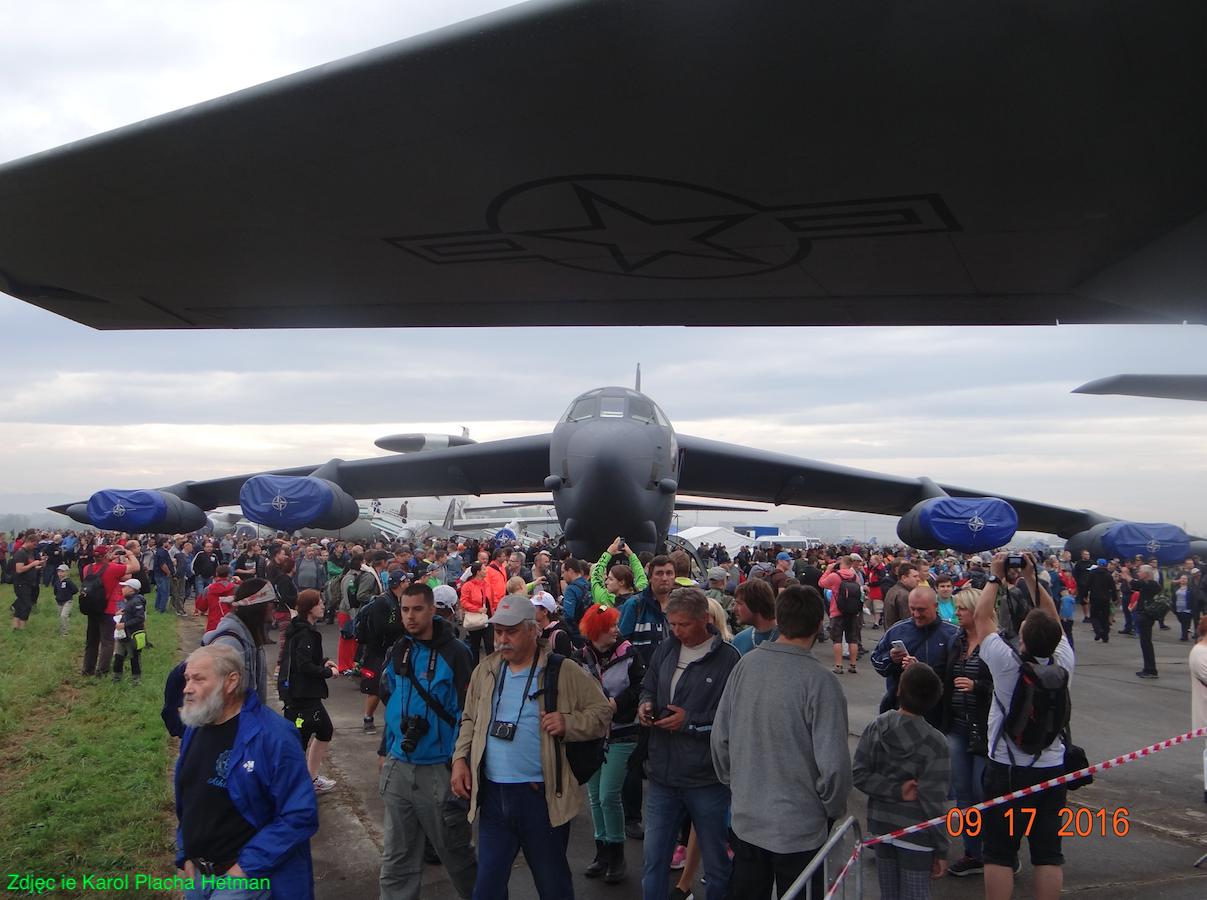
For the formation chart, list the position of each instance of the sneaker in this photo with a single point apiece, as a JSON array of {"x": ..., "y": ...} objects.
[
  {"x": 680, "y": 858},
  {"x": 679, "y": 894},
  {"x": 851, "y": 669},
  {"x": 635, "y": 830},
  {"x": 370, "y": 727},
  {"x": 322, "y": 785},
  {"x": 136, "y": 679},
  {"x": 875, "y": 626},
  {"x": 1086, "y": 619},
  {"x": 966, "y": 865},
  {"x": 1144, "y": 674},
  {"x": 1164, "y": 627},
  {"x": 838, "y": 670}
]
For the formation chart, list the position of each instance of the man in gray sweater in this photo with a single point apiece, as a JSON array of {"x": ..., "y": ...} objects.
[{"x": 782, "y": 704}]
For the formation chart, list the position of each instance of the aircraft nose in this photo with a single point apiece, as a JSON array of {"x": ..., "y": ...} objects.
[{"x": 607, "y": 451}]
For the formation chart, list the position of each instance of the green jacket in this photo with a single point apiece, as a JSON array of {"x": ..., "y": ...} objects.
[{"x": 599, "y": 592}]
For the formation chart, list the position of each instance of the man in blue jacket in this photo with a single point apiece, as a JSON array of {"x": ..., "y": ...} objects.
[
  {"x": 642, "y": 621},
  {"x": 679, "y": 698},
  {"x": 423, "y": 688},
  {"x": 926, "y": 638},
  {"x": 245, "y": 803}
]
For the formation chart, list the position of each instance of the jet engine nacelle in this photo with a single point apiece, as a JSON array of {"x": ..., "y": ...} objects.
[
  {"x": 287, "y": 503},
  {"x": 1107, "y": 540},
  {"x": 415, "y": 443},
  {"x": 966, "y": 524},
  {"x": 141, "y": 510}
]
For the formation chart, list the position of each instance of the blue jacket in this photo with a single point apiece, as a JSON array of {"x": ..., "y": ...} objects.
[
  {"x": 683, "y": 758},
  {"x": 271, "y": 787},
  {"x": 450, "y": 679},
  {"x": 929, "y": 644},
  {"x": 643, "y": 623},
  {"x": 575, "y": 601}
]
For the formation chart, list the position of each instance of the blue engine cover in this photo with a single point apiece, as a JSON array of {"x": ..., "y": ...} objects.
[
  {"x": 1168, "y": 543},
  {"x": 965, "y": 524},
  {"x": 287, "y": 503},
  {"x": 141, "y": 510}
]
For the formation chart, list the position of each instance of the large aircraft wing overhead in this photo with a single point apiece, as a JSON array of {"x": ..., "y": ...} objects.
[
  {"x": 673, "y": 162},
  {"x": 1168, "y": 387},
  {"x": 715, "y": 469}
]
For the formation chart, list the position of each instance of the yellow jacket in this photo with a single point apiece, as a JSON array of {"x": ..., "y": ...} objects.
[{"x": 579, "y": 698}]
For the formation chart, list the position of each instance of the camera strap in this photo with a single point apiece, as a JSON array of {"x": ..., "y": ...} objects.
[
  {"x": 527, "y": 686},
  {"x": 433, "y": 704}
]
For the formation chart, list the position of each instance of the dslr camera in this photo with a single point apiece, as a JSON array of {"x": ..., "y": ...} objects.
[{"x": 413, "y": 728}]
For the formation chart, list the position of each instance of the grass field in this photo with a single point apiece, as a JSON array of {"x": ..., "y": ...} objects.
[{"x": 84, "y": 767}]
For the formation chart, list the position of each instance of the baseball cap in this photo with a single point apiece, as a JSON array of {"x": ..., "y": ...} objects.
[
  {"x": 397, "y": 577},
  {"x": 131, "y": 583},
  {"x": 781, "y": 556},
  {"x": 716, "y": 573},
  {"x": 1102, "y": 562},
  {"x": 857, "y": 556},
  {"x": 380, "y": 556},
  {"x": 64, "y": 568},
  {"x": 445, "y": 596},
  {"x": 512, "y": 610},
  {"x": 545, "y": 599}
]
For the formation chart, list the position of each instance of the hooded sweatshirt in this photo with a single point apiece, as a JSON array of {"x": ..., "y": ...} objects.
[
  {"x": 215, "y": 602},
  {"x": 254, "y": 663},
  {"x": 893, "y": 749}
]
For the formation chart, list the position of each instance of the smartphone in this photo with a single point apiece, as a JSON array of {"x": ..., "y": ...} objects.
[
  {"x": 900, "y": 645},
  {"x": 620, "y": 543},
  {"x": 664, "y": 713}
]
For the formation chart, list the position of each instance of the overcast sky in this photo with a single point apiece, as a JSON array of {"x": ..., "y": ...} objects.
[{"x": 84, "y": 410}]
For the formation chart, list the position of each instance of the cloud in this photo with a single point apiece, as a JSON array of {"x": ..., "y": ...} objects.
[{"x": 986, "y": 408}]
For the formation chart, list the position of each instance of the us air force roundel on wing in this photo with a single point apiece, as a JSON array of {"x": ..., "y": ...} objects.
[{"x": 656, "y": 228}]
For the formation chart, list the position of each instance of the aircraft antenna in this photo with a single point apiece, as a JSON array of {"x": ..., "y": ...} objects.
[{"x": 638, "y": 386}]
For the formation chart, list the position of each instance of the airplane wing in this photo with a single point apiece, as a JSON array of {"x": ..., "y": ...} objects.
[
  {"x": 716, "y": 469},
  {"x": 1168, "y": 387},
  {"x": 505, "y": 466},
  {"x": 578, "y": 162}
]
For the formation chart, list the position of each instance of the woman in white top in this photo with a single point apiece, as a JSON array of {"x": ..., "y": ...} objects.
[{"x": 1198, "y": 690}]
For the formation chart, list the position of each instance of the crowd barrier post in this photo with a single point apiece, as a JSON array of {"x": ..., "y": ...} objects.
[{"x": 803, "y": 886}]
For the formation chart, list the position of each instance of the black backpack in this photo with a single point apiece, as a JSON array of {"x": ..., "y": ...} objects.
[
  {"x": 94, "y": 599},
  {"x": 849, "y": 598},
  {"x": 585, "y": 757},
  {"x": 1040, "y": 706}
]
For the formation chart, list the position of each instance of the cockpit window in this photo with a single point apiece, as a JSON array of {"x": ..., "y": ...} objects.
[
  {"x": 583, "y": 409},
  {"x": 641, "y": 410},
  {"x": 611, "y": 407},
  {"x": 661, "y": 418}
]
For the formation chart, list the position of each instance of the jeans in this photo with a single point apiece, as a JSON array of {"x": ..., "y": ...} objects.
[
  {"x": 225, "y": 893},
  {"x": 515, "y": 817},
  {"x": 414, "y": 803},
  {"x": 607, "y": 810},
  {"x": 1146, "y": 643},
  {"x": 708, "y": 807},
  {"x": 98, "y": 645},
  {"x": 200, "y": 584},
  {"x": 967, "y": 776},
  {"x": 163, "y": 592}
]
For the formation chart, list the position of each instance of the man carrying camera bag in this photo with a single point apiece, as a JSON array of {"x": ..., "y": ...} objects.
[{"x": 423, "y": 689}]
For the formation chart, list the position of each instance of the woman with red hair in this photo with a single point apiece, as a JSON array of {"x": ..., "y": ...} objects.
[{"x": 618, "y": 667}]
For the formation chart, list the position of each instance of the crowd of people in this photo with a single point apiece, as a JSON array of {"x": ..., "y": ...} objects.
[{"x": 508, "y": 678}]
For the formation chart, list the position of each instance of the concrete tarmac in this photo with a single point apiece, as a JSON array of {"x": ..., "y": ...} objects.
[{"x": 1114, "y": 712}]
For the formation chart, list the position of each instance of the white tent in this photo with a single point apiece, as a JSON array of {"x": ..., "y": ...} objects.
[{"x": 712, "y": 535}]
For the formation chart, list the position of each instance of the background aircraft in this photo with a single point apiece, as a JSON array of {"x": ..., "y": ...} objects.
[
  {"x": 614, "y": 466},
  {"x": 686, "y": 161},
  {"x": 1167, "y": 387}
]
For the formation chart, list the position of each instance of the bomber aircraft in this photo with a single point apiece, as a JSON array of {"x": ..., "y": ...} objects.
[{"x": 614, "y": 465}]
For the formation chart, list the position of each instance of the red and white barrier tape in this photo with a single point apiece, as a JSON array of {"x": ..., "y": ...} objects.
[{"x": 1013, "y": 795}]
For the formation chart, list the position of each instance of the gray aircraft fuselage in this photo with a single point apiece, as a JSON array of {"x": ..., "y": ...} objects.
[{"x": 614, "y": 466}]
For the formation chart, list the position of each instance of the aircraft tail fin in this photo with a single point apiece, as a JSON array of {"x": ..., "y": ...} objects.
[{"x": 451, "y": 515}]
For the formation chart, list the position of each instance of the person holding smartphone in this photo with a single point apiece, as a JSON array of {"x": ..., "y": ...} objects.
[{"x": 923, "y": 636}]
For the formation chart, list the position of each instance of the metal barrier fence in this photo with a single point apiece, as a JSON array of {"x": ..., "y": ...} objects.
[{"x": 803, "y": 886}]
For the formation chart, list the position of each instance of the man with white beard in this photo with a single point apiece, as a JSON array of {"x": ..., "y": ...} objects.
[{"x": 245, "y": 803}]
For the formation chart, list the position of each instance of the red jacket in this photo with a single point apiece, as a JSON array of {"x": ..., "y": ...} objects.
[
  {"x": 215, "y": 602},
  {"x": 475, "y": 596}
]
